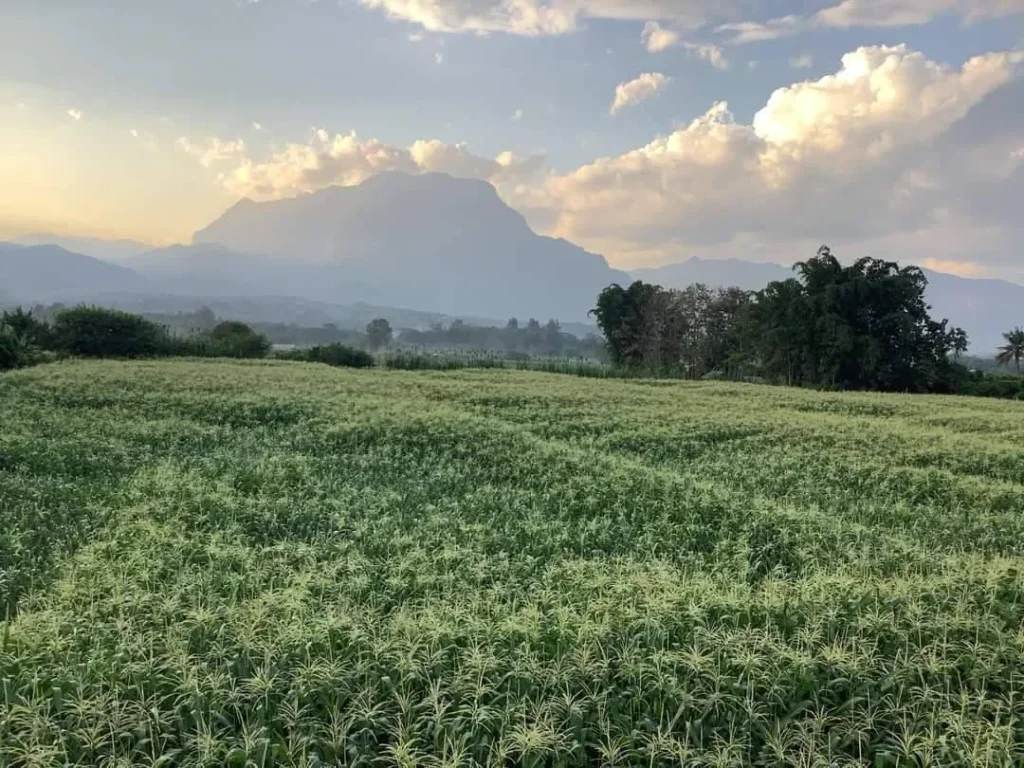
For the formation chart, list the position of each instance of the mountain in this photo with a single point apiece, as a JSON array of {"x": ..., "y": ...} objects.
[
  {"x": 983, "y": 308},
  {"x": 748, "y": 275},
  {"x": 107, "y": 250},
  {"x": 48, "y": 273},
  {"x": 431, "y": 242}
]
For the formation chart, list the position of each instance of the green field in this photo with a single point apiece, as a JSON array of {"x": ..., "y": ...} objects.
[{"x": 209, "y": 563}]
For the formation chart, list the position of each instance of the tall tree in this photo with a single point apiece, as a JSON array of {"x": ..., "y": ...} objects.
[
  {"x": 378, "y": 333},
  {"x": 1013, "y": 350}
]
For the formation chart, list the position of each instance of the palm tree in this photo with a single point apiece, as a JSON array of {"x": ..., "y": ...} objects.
[{"x": 1013, "y": 349}]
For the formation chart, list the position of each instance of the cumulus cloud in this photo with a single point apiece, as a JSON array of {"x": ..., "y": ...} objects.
[
  {"x": 870, "y": 13},
  {"x": 656, "y": 38},
  {"x": 712, "y": 54},
  {"x": 892, "y": 154},
  {"x": 346, "y": 159},
  {"x": 76, "y": 114},
  {"x": 639, "y": 89},
  {"x": 517, "y": 115},
  {"x": 852, "y": 155}
]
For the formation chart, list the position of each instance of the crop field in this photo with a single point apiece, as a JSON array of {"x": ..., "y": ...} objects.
[{"x": 272, "y": 563}]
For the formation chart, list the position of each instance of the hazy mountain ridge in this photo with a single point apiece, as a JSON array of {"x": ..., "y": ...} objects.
[
  {"x": 429, "y": 241},
  {"x": 47, "y": 273},
  {"x": 440, "y": 246},
  {"x": 106, "y": 250}
]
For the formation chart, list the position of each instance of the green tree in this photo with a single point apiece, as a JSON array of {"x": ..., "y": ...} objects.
[
  {"x": 378, "y": 333},
  {"x": 99, "y": 332},
  {"x": 1013, "y": 350},
  {"x": 232, "y": 338}
]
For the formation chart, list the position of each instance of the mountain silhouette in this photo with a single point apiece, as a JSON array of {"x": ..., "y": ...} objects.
[{"x": 431, "y": 242}]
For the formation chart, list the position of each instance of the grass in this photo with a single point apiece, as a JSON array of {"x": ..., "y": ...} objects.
[{"x": 270, "y": 563}]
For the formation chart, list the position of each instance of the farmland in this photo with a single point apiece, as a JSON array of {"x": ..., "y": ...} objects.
[{"x": 270, "y": 563}]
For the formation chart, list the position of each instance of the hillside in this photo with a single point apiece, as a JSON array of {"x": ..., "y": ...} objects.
[
  {"x": 430, "y": 242},
  {"x": 47, "y": 273}
]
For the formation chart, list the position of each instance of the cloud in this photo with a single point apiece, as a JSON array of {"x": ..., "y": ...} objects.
[
  {"x": 656, "y": 38},
  {"x": 212, "y": 151},
  {"x": 416, "y": 37},
  {"x": 517, "y": 116},
  {"x": 857, "y": 155},
  {"x": 639, "y": 89},
  {"x": 891, "y": 155},
  {"x": 257, "y": 126},
  {"x": 712, "y": 54},
  {"x": 439, "y": 58},
  {"x": 802, "y": 61},
  {"x": 546, "y": 17},
  {"x": 870, "y": 13},
  {"x": 76, "y": 114},
  {"x": 346, "y": 159}
]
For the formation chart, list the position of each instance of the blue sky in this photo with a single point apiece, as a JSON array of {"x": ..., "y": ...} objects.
[{"x": 108, "y": 110}]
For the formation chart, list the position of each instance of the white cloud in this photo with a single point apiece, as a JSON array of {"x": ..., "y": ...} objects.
[
  {"x": 893, "y": 154},
  {"x": 517, "y": 115},
  {"x": 76, "y": 114},
  {"x": 546, "y": 17},
  {"x": 656, "y": 38},
  {"x": 639, "y": 89},
  {"x": 871, "y": 13},
  {"x": 852, "y": 155},
  {"x": 346, "y": 159},
  {"x": 439, "y": 58},
  {"x": 416, "y": 37},
  {"x": 257, "y": 126},
  {"x": 802, "y": 61},
  {"x": 213, "y": 151},
  {"x": 712, "y": 54}
]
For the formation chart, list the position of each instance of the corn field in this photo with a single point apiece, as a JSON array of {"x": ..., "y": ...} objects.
[{"x": 212, "y": 563}]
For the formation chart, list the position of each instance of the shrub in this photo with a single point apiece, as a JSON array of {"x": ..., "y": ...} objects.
[
  {"x": 332, "y": 354},
  {"x": 98, "y": 332},
  {"x": 234, "y": 339}
]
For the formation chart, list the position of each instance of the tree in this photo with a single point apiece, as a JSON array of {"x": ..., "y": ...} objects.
[
  {"x": 232, "y": 338},
  {"x": 98, "y": 332},
  {"x": 378, "y": 333},
  {"x": 1013, "y": 349},
  {"x": 28, "y": 327}
]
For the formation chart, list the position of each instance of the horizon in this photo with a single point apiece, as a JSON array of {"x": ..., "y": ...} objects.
[{"x": 646, "y": 132}]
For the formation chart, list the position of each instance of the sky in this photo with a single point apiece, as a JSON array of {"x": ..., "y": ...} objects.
[{"x": 647, "y": 131}]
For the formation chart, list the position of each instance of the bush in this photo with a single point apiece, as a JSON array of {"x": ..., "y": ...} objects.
[
  {"x": 98, "y": 332},
  {"x": 981, "y": 384},
  {"x": 332, "y": 354},
  {"x": 11, "y": 355},
  {"x": 234, "y": 339}
]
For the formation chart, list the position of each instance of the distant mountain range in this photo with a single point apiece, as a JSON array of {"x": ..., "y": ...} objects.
[{"x": 439, "y": 246}]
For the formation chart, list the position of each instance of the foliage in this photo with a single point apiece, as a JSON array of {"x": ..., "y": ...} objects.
[
  {"x": 331, "y": 354},
  {"x": 236, "y": 563},
  {"x": 865, "y": 326},
  {"x": 98, "y": 332},
  {"x": 235, "y": 339},
  {"x": 982, "y": 384},
  {"x": 378, "y": 333},
  {"x": 548, "y": 340},
  {"x": 30, "y": 328},
  {"x": 1013, "y": 350}
]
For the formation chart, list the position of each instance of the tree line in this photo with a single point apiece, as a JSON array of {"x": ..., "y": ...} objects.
[{"x": 862, "y": 326}]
